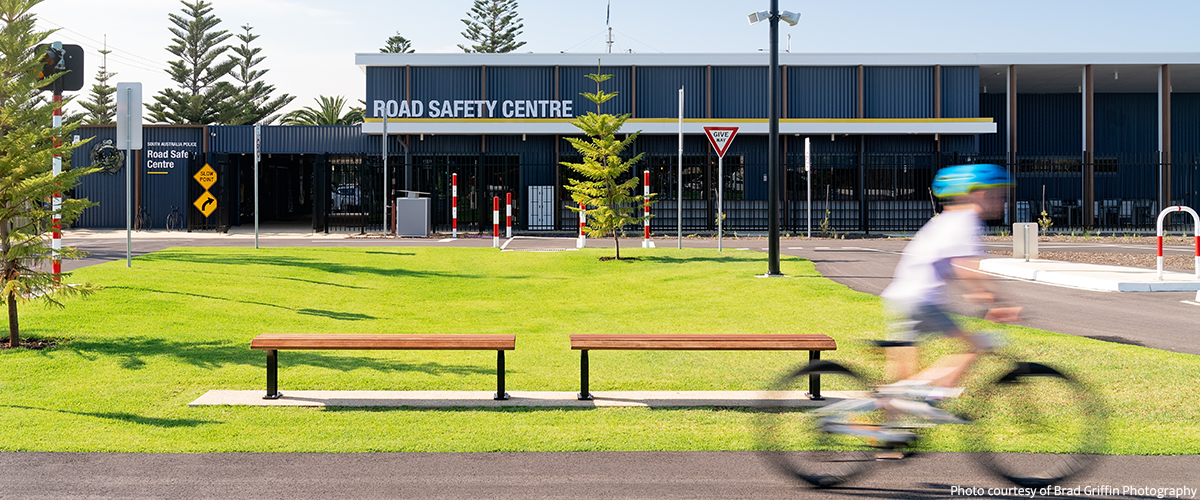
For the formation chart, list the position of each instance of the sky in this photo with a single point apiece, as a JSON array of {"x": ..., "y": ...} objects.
[{"x": 310, "y": 44}]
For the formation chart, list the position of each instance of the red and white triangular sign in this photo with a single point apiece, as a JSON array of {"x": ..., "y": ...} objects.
[{"x": 720, "y": 138}]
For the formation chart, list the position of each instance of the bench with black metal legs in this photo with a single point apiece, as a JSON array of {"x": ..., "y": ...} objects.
[
  {"x": 275, "y": 342},
  {"x": 813, "y": 343}
]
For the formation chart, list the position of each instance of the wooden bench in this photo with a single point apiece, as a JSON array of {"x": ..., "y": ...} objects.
[
  {"x": 274, "y": 342},
  {"x": 814, "y": 344}
]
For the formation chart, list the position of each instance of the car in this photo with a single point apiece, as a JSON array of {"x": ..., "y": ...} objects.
[{"x": 346, "y": 198}]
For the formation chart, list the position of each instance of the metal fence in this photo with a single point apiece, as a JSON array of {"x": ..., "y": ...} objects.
[{"x": 859, "y": 192}]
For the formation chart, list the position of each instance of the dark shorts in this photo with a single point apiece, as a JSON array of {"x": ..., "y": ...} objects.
[{"x": 929, "y": 319}]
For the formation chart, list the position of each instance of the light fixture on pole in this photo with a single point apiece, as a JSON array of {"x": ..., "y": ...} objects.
[{"x": 773, "y": 88}]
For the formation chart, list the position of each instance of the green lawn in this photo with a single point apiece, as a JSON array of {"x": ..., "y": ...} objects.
[{"x": 179, "y": 323}]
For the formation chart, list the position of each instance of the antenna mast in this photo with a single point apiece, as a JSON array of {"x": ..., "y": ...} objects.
[{"x": 607, "y": 17}]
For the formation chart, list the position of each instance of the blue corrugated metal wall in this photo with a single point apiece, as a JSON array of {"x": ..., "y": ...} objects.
[
  {"x": 961, "y": 144},
  {"x": 898, "y": 92},
  {"x": 159, "y": 190},
  {"x": 519, "y": 83},
  {"x": 572, "y": 82},
  {"x": 900, "y": 144},
  {"x": 821, "y": 92},
  {"x": 277, "y": 139},
  {"x": 106, "y": 189},
  {"x": 658, "y": 92},
  {"x": 960, "y": 91},
  {"x": 1127, "y": 126},
  {"x": 994, "y": 106},
  {"x": 1185, "y": 128},
  {"x": 386, "y": 83},
  {"x": 738, "y": 92},
  {"x": 1050, "y": 124},
  {"x": 446, "y": 83}
]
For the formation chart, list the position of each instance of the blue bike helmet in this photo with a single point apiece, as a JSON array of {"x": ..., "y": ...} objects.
[{"x": 962, "y": 179}]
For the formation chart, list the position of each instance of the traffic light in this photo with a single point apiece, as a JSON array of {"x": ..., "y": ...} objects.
[{"x": 57, "y": 58}]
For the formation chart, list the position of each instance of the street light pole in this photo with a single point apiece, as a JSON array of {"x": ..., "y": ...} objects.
[{"x": 773, "y": 149}]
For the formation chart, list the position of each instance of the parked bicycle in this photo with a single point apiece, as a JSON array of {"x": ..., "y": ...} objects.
[
  {"x": 141, "y": 221},
  {"x": 1007, "y": 406},
  {"x": 174, "y": 219}
]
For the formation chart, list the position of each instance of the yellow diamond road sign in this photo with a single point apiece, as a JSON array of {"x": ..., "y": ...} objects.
[
  {"x": 206, "y": 203},
  {"x": 206, "y": 177}
]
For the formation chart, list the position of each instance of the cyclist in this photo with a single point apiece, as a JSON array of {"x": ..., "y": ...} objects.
[{"x": 946, "y": 248}]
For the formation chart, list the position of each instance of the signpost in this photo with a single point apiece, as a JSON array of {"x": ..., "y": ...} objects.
[
  {"x": 206, "y": 203},
  {"x": 129, "y": 135},
  {"x": 720, "y": 138},
  {"x": 808, "y": 175},
  {"x": 257, "y": 158}
]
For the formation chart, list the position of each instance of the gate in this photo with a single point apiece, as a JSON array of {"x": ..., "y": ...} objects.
[
  {"x": 223, "y": 190},
  {"x": 480, "y": 178},
  {"x": 355, "y": 187}
]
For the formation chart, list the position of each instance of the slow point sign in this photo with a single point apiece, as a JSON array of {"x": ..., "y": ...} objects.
[{"x": 206, "y": 177}]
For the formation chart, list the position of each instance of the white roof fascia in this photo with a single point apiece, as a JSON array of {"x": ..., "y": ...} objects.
[
  {"x": 785, "y": 59},
  {"x": 659, "y": 127}
]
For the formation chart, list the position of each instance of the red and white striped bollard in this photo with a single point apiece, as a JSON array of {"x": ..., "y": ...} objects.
[
  {"x": 56, "y": 244},
  {"x": 495, "y": 222},
  {"x": 454, "y": 205},
  {"x": 508, "y": 216},
  {"x": 582, "y": 242},
  {"x": 646, "y": 223}
]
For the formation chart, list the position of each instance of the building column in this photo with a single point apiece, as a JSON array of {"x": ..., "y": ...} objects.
[
  {"x": 1011, "y": 138},
  {"x": 1089, "y": 145},
  {"x": 937, "y": 106},
  {"x": 863, "y": 223},
  {"x": 1164, "y": 135}
]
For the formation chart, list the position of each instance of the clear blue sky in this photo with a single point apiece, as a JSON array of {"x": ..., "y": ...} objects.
[{"x": 310, "y": 44}]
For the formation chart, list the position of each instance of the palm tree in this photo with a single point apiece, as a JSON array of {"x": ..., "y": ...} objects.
[{"x": 328, "y": 112}]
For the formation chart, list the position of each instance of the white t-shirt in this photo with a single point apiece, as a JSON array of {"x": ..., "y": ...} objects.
[{"x": 921, "y": 275}]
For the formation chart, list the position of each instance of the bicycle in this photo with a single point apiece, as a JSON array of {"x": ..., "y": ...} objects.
[
  {"x": 1008, "y": 405},
  {"x": 142, "y": 220},
  {"x": 174, "y": 220}
]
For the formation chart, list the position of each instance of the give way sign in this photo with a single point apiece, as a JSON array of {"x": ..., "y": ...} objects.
[{"x": 720, "y": 138}]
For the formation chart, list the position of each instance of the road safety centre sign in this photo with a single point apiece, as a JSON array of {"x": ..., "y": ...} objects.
[{"x": 473, "y": 108}]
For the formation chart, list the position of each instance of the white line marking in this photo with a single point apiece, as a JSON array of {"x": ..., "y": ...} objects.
[
  {"x": 505, "y": 245},
  {"x": 821, "y": 248},
  {"x": 1190, "y": 302},
  {"x": 446, "y": 240},
  {"x": 795, "y": 248},
  {"x": 747, "y": 249}
]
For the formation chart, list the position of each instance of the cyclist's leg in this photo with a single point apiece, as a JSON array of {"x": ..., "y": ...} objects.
[{"x": 947, "y": 370}]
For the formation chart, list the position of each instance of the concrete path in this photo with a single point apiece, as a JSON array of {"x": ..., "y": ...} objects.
[
  {"x": 486, "y": 399},
  {"x": 1092, "y": 276}
]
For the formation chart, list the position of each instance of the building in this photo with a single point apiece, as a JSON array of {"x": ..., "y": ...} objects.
[{"x": 1099, "y": 141}]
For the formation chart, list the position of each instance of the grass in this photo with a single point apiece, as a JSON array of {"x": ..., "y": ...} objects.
[{"x": 179, "y": 323}]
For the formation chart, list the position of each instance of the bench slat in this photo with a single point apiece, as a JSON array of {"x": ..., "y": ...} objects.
[
  {"x": 382, "y": 341},
  {"x": 704, "y": 342}
]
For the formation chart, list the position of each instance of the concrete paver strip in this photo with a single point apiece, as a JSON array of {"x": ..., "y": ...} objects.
[{"x": 453, "y": 399}]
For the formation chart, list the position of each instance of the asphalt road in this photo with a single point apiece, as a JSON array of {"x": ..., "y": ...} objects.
[
  {"x": 1158, "y": 320},
  {"x": 607, "y": 475}
]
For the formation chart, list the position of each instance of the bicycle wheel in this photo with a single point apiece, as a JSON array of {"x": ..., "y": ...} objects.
[
  {"x": 841, "y": 439},
  {"x": 174, "y": 222},
  {"x": 1034, "y": 407}
]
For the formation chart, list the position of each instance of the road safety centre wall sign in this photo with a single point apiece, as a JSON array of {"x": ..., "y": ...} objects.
[
  {"x": 206, "y": 203},
  {"x": 473, "y": 108}
]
